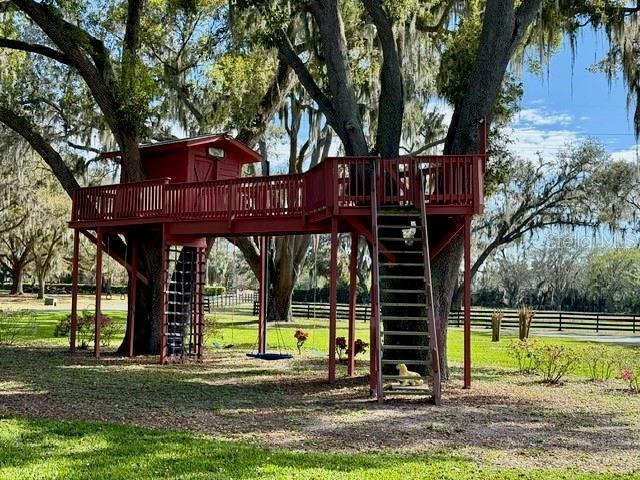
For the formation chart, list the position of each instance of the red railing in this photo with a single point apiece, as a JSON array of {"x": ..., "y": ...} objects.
[{"x": 334, "y": 184}]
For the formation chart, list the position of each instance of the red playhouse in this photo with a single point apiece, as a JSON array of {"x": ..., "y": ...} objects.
[{"x": 195, "y": 192}]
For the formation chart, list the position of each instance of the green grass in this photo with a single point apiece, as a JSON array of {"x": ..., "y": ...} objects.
[{"x": 38, "y": 449}]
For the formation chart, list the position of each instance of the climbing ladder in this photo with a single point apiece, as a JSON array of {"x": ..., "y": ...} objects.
[
  {"x": 184, "y": 303},
  {"x": 406, "y": 317}
]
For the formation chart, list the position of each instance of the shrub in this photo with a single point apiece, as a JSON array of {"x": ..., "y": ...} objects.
[
  {"x": 525, "y": 317},
  {"x": 14, "y": 324},
  {"x": 211, "y": 328},
  {"x": 599, "y": 362},
  {"x": 524, "y": 352},
  {"x": 301, "y": 336},
  {"x": 554, "y": 362},
  {"x": 86, "y": 329},
  {"x": 341, "y": 347},
  {"x": 496, "y": 323},
  {"x": 630, "y": 371},
  {"x": 359, "y": 347},
  {"x": 212, "y": 290}
]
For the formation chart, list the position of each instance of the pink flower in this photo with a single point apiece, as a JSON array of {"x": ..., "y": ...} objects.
[{"x": 627, "y": 375}]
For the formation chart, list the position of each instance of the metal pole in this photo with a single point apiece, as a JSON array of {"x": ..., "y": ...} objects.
[
  {"x": 74, "y": 290},
  {"x": 353, "y": 279},
  {"x": 467, "y": 301},
  {"x": 333, "y": 298}
]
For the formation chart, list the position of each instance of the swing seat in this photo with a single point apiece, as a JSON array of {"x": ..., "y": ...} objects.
[{"x": 270, "y": 356}]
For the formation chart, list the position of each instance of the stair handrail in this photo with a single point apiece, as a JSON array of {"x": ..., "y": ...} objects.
[
  {"x": 431, "y": 317},
  {"x": 375, "y": 277}
]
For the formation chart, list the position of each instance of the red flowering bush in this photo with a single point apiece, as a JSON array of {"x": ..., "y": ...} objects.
[
  {"x": 301, "y": 336},
  {"x": 341, "y": 347},
  {"x": 359, "y": 347},
  {"x": 630, "y": 372}
]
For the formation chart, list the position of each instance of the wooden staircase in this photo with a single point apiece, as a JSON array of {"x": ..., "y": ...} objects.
[{"x": 406, "y": 320}]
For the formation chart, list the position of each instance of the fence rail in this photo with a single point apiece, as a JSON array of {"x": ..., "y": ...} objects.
[{"x": 556, "y": 320}]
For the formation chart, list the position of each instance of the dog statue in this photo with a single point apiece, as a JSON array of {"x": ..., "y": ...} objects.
[{"x": 405, "y": 372}]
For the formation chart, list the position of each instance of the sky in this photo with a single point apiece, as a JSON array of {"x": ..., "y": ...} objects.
[
  {"x": 565, "y": 105},
  {"x": 570, "y": 103}
]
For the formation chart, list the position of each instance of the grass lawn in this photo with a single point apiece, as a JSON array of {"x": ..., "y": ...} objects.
[{"x": 229, "y": 416}]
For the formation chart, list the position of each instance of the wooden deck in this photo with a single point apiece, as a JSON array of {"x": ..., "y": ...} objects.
[{"x": 285, "y": 204}]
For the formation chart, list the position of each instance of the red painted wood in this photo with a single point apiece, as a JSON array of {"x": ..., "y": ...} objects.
[
  {"x": 353, "y": 279},
  {"x": 263, "y": 288},
  {"x": 133, "y": 284},
  {"x": 96, "y": 340},
  {"x": 74, "y": 290},
  {"x": 467, "y": 301},
  {"x": 333, "y": 299}
]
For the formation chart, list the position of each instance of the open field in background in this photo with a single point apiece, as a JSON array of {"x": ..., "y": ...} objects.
[{"x": 231, "y": 416}]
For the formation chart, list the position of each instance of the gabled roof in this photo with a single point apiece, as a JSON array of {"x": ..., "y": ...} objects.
[{"x": 212, "y": 139}]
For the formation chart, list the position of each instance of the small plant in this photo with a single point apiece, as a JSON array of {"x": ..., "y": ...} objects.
[
  {"x": 301, "y": 337},
  {"x": 14, "y": 324},
  {"x": 359, "y": 347},
  {"x": 525, "y": 353},
  {"x": 341, "y": 347},
  {"x": 554, "y": 362},
  {"x": 525, "y": 317},
  {"x": 496, "y": 323},
  {"x": 86, "y": 329},
  {"x": 599, "y": 362},
  {"x": 630, "y": 372},
  {"x": 211, "y": 329}
]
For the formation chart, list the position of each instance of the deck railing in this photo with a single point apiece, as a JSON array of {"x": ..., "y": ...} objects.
[{"x": 336, "y": 183}]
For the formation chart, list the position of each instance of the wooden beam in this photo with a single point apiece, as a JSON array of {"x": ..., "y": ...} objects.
[
  {"x": 116, "y": 257},
  {"x": 467, "y": 301},
  {"x": 353, "y": 283},
  {"x": 133, "y": 285},
  {"x": 448, "y": 237},
  {"x": 74, "y": 290},
  {"x": 96, "y": 340},
  {"x": 263, "y": 288},
  {"x": 333, "y": 299}
]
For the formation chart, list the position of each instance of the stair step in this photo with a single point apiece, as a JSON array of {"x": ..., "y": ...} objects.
[
  {"x": 400, "y": 377},
  {"x": 395, "y": 318},
  {"x": 404, "y": 332},
  {"x": 405, "y": 347},
  {"x": 402, "y": 304},
  {"x": 406, "y": 362},
  {"x": 402, "y": 226},
  {"x": 402, "y": 264},
  {"x": 407, "y": 390},
  {"x": 402, "y": 277},
  {"x": 401, "y": 290}
]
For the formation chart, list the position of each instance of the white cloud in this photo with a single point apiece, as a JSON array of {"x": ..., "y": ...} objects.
[
  {"x": 542, "y": 117},
  {"x": 528, "y": 141},
  {"x": 627, "y": 155}
]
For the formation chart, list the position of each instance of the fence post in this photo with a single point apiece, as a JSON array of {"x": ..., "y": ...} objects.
[
  {"x": 597, "y": 322},
  {"x": 308, "y": 310},
  {"x": 634, "y": 324},
  {"x": 560, "y": 326}
]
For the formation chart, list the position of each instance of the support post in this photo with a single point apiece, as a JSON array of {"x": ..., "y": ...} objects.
[
  {"x": 333, "y": 298},
  {"x": 373, "y": 333},
  {"x": 165, "y": 299},
  {"x": 96, "y": 340},
  {"x": 353, "y": 283},
  {"x": 201, "y": 273},
  {"x": 263, "y": 287},
  {"x": 133, "y": 287},
  {"x": 74, "y": 290},
  {"x": 467, "y": 301}
]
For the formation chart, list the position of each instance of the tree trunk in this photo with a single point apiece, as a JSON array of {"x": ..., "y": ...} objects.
[
  {"x": 17, "y": 277},
  {"x": 41, "y": 286},
  {"x": 149, "y": 304}
]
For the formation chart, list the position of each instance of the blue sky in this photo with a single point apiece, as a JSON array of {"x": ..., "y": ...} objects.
[{"x": 571, "y": 103}]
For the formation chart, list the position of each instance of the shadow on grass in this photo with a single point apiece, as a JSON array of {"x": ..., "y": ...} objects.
[{"x": 79, "y": 450}]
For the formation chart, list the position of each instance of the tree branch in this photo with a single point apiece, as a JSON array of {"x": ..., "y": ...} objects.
[
  {"x": 23, "y": 127},
  {"x": 420, "y": 25},
  {"x": 35, "y": 48}
]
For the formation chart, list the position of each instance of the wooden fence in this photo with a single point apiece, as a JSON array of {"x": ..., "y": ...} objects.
[{"x": 556, "y": 320}]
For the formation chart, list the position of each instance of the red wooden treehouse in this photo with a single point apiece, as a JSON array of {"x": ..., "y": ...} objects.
[{"x": 195, "y": 192}]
